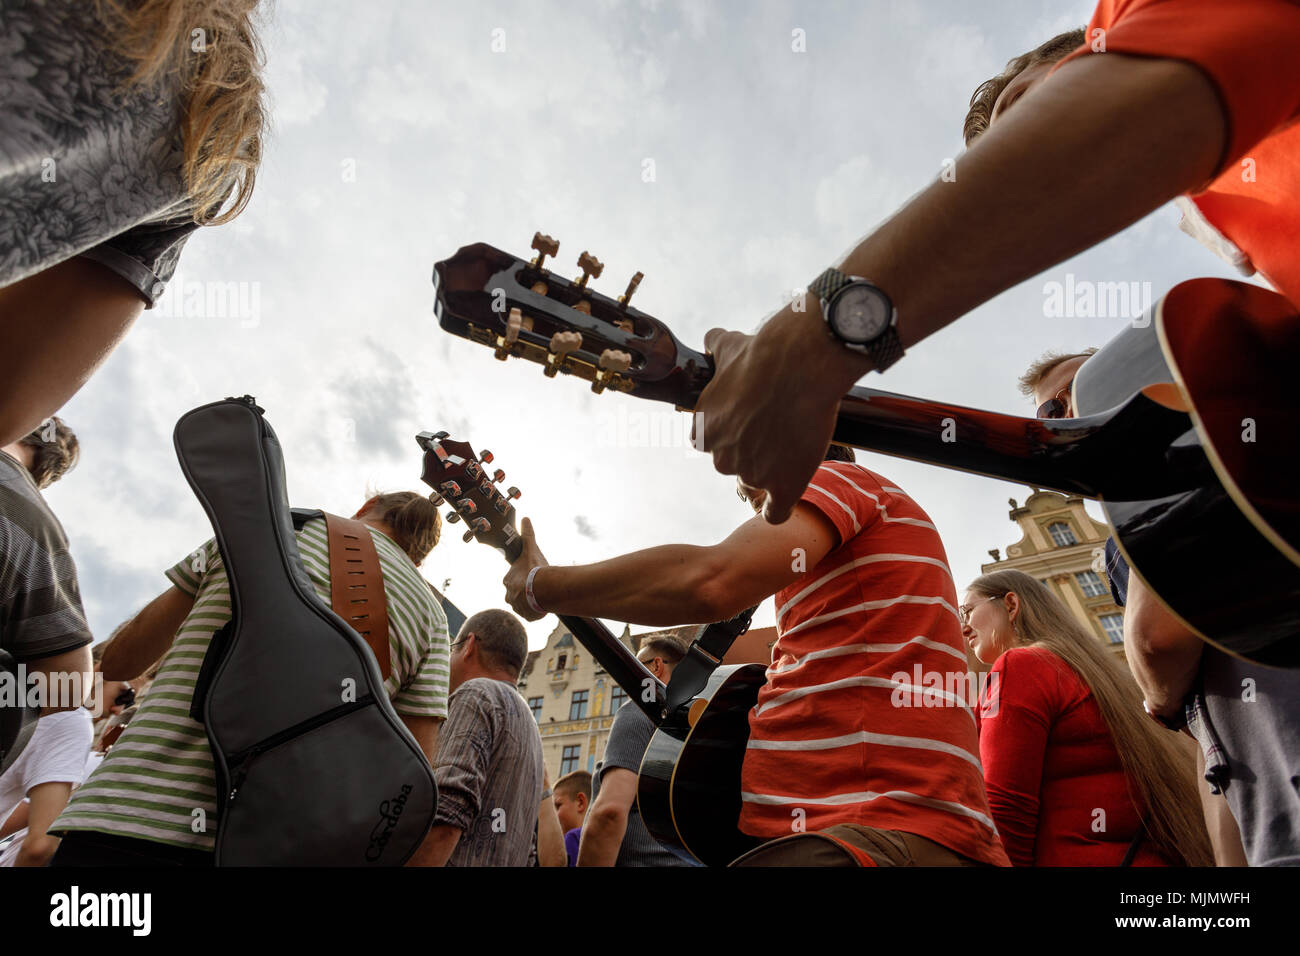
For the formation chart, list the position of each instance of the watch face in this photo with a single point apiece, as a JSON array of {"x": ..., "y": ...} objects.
[{"x": 860, "y": 313}]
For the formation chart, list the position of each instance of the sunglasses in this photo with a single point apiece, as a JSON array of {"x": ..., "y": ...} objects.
[{"x": 1055, "y": 407}]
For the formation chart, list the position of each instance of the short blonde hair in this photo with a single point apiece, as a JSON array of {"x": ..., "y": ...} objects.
[{"x": 1048, "y": 361}]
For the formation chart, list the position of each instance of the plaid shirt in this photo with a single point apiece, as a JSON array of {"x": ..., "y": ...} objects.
[{"x": 489, "y": 773}]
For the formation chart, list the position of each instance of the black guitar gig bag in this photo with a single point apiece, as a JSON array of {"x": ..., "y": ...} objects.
[{"x": 314, "y": 767}]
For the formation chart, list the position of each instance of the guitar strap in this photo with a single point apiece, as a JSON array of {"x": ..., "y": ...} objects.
[
  {"x": 703, "y": 657},
  {"x": 357, "y": 585}
]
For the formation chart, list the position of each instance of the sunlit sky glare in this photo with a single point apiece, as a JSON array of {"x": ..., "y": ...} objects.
[{"x": 400, "y": 134}]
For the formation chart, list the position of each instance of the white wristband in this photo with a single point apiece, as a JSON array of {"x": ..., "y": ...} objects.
[{"x": 528, "y": 591}]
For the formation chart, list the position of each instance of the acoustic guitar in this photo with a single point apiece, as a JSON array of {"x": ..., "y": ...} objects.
[
  {"x": 1187, "y": 433},
  {"x": 689, "y": 781}
]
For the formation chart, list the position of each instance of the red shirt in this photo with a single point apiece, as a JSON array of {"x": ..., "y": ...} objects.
[
  {"x": 1055, "y": 784},
  {"x": 1250, "y": 50},
  {"x": 841, "y": 732}
]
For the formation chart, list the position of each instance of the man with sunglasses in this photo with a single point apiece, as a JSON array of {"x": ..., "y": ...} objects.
[
  {"x": 613, "y": 834},
  {"x": 1245, "y": 717}
]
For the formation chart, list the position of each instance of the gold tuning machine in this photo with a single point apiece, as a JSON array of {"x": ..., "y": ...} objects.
[
  {"x": 612, "y": 362},
  {"x": 626, "y": 297},
  {"x": 591, "y": 268},
  {"x": 514, "y": 322},
  {"x": 562, "y": 343},
  {"x": 545, "y": 246}
]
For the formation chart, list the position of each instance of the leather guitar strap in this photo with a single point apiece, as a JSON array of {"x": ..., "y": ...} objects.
[
  {"x": 357, "y": 585},
  {"x": 702, "y": 659}
]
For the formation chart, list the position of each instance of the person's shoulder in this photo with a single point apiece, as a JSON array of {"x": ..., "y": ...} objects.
[
  {"x": 1040, "y": 668},
  {"x": 631, "y": 719}
]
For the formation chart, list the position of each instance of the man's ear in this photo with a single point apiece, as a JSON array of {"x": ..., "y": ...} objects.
[
  {"x": 364, "y": 508},
  {"x": 581, "y": 800}
]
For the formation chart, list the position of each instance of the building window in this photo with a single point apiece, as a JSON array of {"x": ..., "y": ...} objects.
[
  {"x": 564, "y": 658},
  {"x": 617, "y": 699},
  {"x": 578, "y": 705},
  {"x": 1113, "y": 625},
  {"x": 1061, "y": 534},
  {"x": 1092, "y": 585},
  {"x": 569, "y": 761},
  {"x": 535, "y": 705}
]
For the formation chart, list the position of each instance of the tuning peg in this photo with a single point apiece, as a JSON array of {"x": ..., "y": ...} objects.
[
  {"x": 514, "y": 322},
  {"x": 439, "y": 436},
  {"x": 450, "y": 488},
  {"x": 626, "y": 297},
  {"x": 513, "y": 492},
  {"x": 485, "y": 457},
  {"x": 452, "y": 517},
  {"x": 562, "y": 343},
  {"x": 467, "y": 536},
  {"x": 545, "y": 246},
  {"x": 437, "y": 499},
  {"x": 466, "y": 506},
  {"x": 591, "y": 268},
  {"x": 498, "y": 475},
  {"x": 612, "y": 362},
  {"x": 615, "y": 361}
]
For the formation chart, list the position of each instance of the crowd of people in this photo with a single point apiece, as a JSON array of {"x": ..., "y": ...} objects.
[{"x": 1187, "y": 756}]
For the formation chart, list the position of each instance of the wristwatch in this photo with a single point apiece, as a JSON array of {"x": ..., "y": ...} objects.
[{"x": 860, "y": 315}]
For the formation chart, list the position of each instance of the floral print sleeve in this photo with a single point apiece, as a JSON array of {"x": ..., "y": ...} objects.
[{"x": 88, "y": 166}]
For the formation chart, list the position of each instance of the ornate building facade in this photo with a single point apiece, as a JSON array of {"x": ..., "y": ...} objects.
[
  {"x": 1062, "y": 546},
  {"x": 574, "y": 700}
]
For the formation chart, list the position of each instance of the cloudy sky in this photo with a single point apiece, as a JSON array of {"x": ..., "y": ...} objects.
[{"x": 405, "y": 132}]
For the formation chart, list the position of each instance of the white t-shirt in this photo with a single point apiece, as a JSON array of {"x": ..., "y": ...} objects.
[{"x": 57, "y": 752}]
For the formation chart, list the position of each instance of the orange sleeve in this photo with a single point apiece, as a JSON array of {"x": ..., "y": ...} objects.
[{"x": 1250, "y": 50}]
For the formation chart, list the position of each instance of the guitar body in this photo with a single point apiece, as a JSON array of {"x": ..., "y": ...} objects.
[
  {"x": 689, "y": 787},
  {"x": 1218, "y": 545}
]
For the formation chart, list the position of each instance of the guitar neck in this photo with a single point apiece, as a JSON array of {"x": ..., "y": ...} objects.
[{"x": 622, "y": 665}]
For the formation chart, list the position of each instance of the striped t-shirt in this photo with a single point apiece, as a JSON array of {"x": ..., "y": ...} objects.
[
  {"x": 839, "y": 735},
  {"x": 160, "y": 771}
]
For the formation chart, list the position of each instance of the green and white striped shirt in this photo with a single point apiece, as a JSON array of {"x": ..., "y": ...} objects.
[{"x": 160, "y": 772}]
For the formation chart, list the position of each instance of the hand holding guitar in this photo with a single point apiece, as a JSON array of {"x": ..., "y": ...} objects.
[
  {"x": 754, "y": 395},
  {"x": 516, "y": 579}
]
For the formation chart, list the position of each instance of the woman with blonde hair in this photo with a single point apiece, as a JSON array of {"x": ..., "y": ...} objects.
[
  {"x": 1076, "y": 773},
  {"x": 127, "y": 124}
]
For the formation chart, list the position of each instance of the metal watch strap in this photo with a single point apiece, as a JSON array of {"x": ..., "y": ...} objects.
[
  {"x": 886, "y": 349},
  {"x": 828, "y": 283}
]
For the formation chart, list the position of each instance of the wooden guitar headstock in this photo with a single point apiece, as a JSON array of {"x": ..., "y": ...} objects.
[
  {"x": 521, "y": 308},
  {"x": 460, "y": 477}
]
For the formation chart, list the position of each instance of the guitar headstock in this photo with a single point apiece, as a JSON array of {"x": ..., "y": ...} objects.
[
  {"x": 520, "y": 307},
  {"x": 462, "y": 479}
]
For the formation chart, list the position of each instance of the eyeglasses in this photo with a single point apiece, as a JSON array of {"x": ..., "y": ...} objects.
[
  {"x": 1055, "y": 407},
  {"x": 964, "y": 611}
]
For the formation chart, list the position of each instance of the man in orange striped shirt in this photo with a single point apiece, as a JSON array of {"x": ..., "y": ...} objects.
[{"x": 849, "y": 761}]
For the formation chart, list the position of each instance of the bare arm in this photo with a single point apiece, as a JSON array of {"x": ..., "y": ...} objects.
[
  {"x": 678, "y": 582},
  {"x": 47, "y": 802},
  {"x": 550, "y": 835},
  {"x": 1163, "y": 655},
  {"x": 59, "y": 671},
  {"x": 1104, "y": 141},
  {"x": 146, "y": 637},
  {"x": 437, "y": 847},
  {"x": 59, "y": 326},
  {"x": 606, "y": 824}
]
